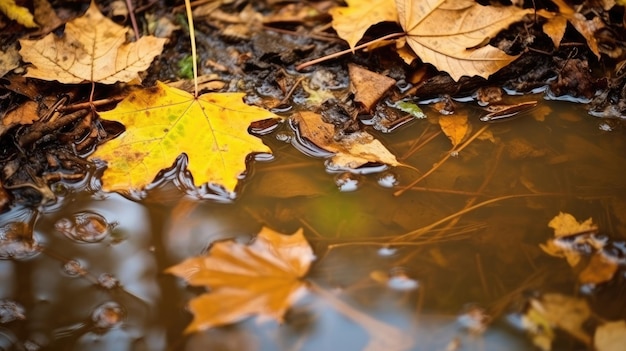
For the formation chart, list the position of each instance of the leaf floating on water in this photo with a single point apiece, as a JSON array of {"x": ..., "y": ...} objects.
[
  {"x": 263, "y": 278},
  {"x": 565, "y": 224},
  {"x": 163, "y": 122},
  {"x": 455, "y": 127},
  {"x": 411, "y": 108},
  {"x": 351, "y": 151}
]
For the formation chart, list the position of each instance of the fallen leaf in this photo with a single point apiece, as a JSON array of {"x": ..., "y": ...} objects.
[
  {"x": 451, "y": 34},
  {"x": 554, "y": 310},
  {"x": 349, "y": 152},
  {"x": 557, "y": 23},
  {"x": 163, "y": 122},
  {"x": 565, "y": 224},
  {"x": 23, "y": 114},
  {"x": 455, "y": 127},
  {"x": 263, "y": 278},
  {"x": 17, "y": 13},
  {"x": 92, "y": 49},
  {"x": 352, "y": 22},
  {"x": 368, "y": 87},
  {"x": 600, "y": 269},
  {"x": 610, "y": 336},
  {"x": 9, "y": 60}
]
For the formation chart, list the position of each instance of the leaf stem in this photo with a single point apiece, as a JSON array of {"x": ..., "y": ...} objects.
[{"x": 194, "y": 54}]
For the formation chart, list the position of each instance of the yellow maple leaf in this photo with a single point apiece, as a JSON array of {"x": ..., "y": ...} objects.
[
  {"x": 449, "y": 34},
  {"x": 352, "y": 22},
  {"x": 163, "y": 122},
  {"x": 92, "y": 49},
  {"x": 263, "y": 278},
  {"x": 17, "y": 13}
]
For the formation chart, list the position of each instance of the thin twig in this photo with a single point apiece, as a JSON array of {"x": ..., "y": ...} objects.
[
  {"x": 348, "y": 51},
  {"x": 423, "y": 230},
  {"x": 442, "y": 161},
  {"x": 194, "y": 54}
]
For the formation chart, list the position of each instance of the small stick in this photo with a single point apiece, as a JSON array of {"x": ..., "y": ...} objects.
[
  {"x": 194, "y": 55},
  {"x": 348, "y": 51},
  {"x": 440, "y": 163}
]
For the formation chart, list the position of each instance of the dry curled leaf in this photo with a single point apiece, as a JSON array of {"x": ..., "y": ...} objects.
[
  {"x": 263, "y": 278},
  {"x": 368, "y": 87},
  {"x": 92, "y": 49},
  {"x": 163, "y": 122}
]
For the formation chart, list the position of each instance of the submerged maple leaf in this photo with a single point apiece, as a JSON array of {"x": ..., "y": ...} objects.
[
  {"x": 163, "y": 122},
  {"x": 92, "y": 49},
  {"x": 263, "y": 278},
  {"x": 449, "y": 34}
]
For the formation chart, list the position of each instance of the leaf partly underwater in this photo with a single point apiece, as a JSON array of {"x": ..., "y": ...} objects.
[
  {"x": 163, "y": 122},
  {"x": 263, "y": 278}
]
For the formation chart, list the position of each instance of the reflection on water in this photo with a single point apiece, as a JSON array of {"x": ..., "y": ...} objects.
[{"x": 86, "y": 274}]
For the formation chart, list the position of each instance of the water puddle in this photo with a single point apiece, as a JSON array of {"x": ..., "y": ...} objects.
[{"x": 446, "y": 265}]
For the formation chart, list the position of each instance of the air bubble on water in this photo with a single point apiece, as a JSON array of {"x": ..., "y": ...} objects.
[
  {"x": 108, "y": 315},
  {"x": 399, "y": 280},
  {"x": 388, "y": 180},
  {"x": 387, "y": 251},
  {"x": 73, "y": 268},
  {"x": 17, "y": 241},
  {"x": 11, "y": 311},
  {"x": 108, "y": 281},
  {"x": 87, "y": 226},
  {"x": 30, "y": 345},
  {"x": 347, "y": 182},
  {"x": 284, "y": 137}
]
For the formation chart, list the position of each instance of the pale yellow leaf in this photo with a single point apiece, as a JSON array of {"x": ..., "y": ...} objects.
[
  {"x": 452, "y": 34},
  {"x": 565, "y": 224},
  {"x": 92, "y": 49}
]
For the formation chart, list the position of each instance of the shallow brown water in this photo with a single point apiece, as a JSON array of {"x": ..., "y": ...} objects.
[{"x": 67, "y": 297}]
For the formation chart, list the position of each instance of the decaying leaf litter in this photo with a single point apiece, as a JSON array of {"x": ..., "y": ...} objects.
[{"x": 57, "y": 133}]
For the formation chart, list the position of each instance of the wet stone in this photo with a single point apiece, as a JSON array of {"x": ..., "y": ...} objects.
[{"x": 88, "y": 227}]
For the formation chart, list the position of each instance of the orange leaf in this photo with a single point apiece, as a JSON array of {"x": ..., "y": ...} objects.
[{"x": 263, "y": 278}]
